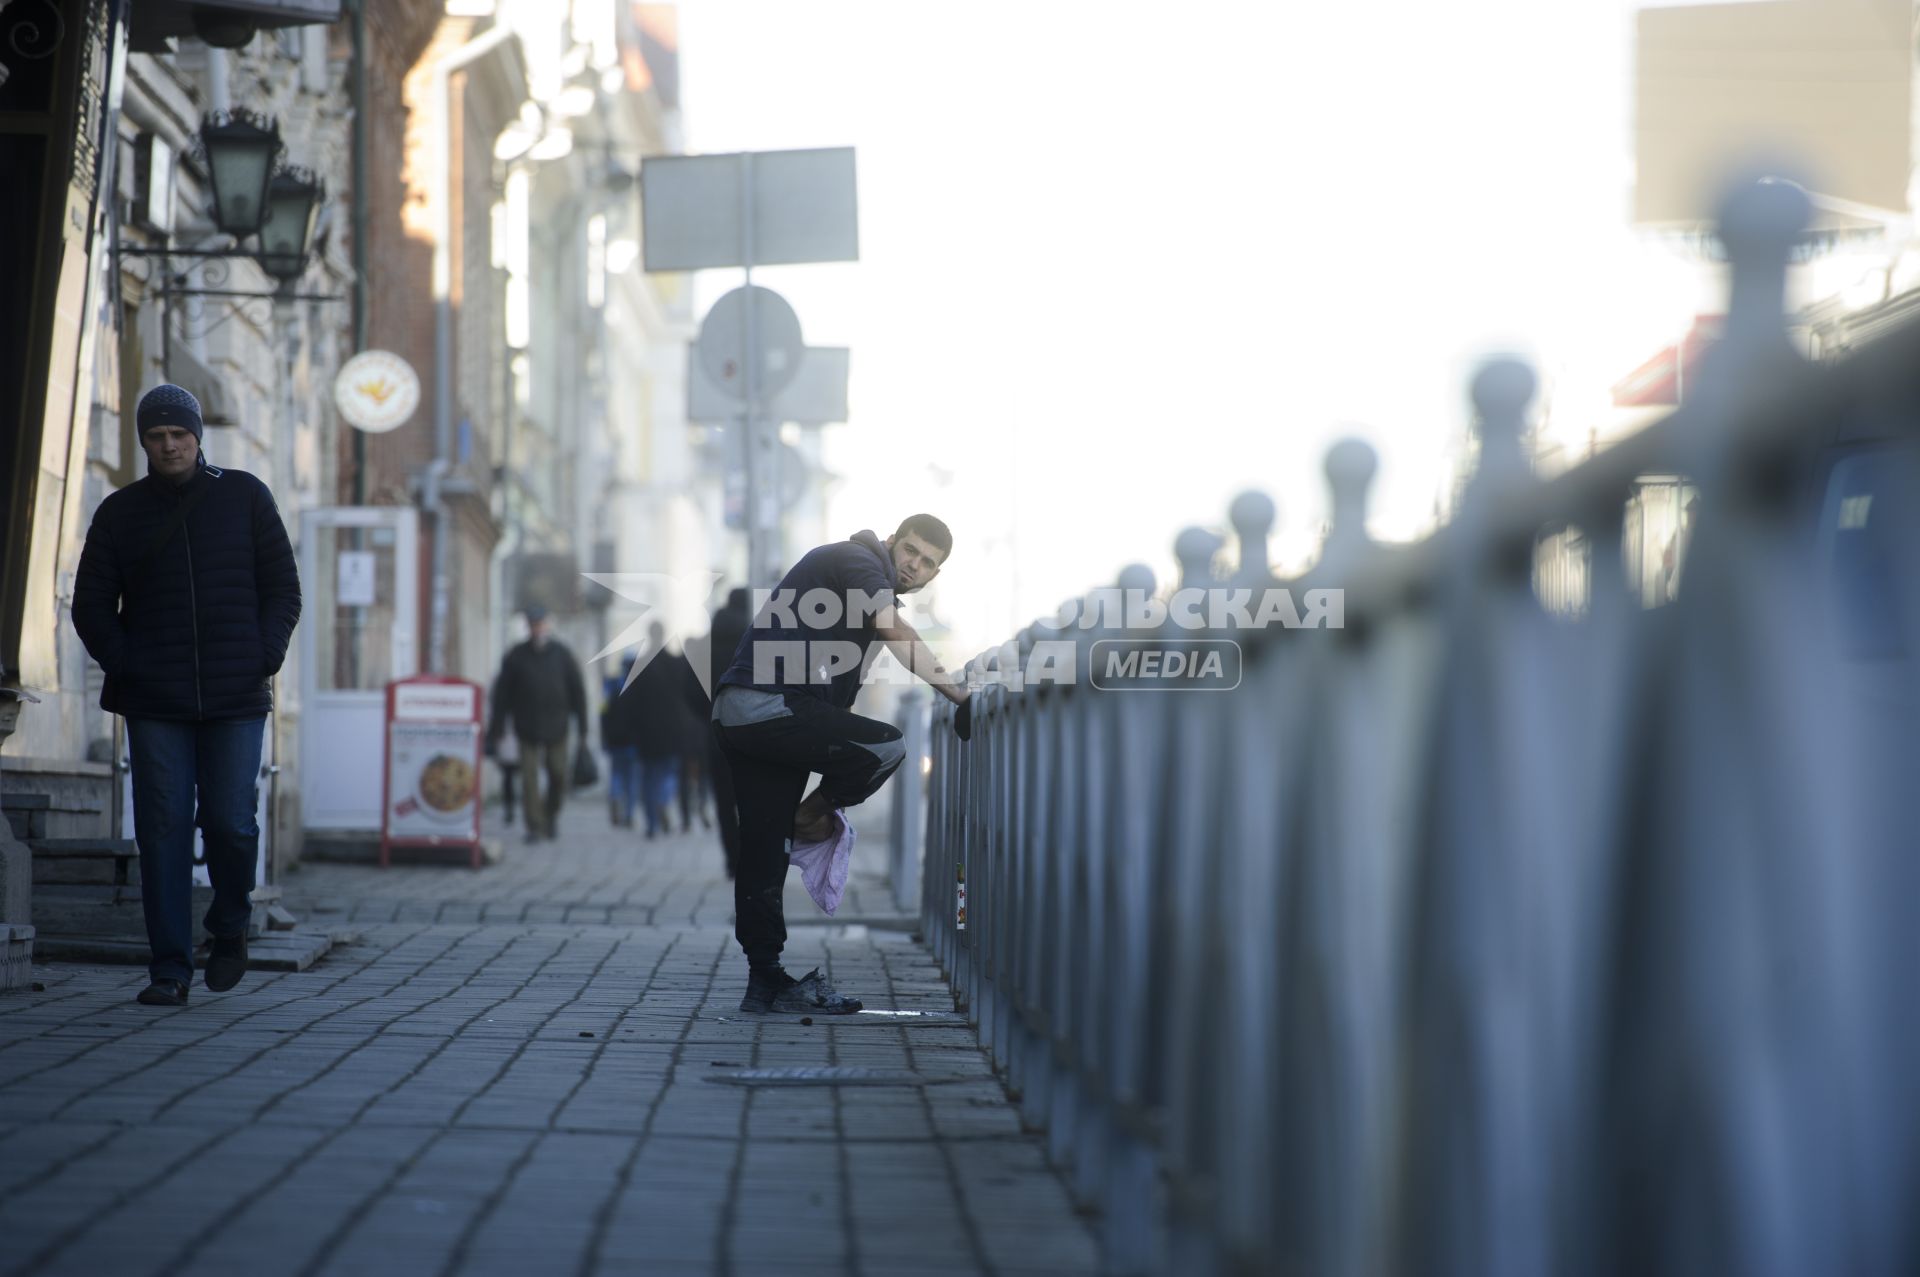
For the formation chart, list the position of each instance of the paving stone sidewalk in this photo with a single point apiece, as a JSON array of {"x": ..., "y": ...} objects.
[{"x": 510, "y": 1071}]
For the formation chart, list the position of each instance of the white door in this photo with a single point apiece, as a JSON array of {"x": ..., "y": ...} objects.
[
  {"x": 359, "y": 565},
  {"x": 263, "y": 806}
]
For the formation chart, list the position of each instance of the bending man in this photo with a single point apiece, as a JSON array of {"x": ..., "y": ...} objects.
[{"x": 783, "y": 709}]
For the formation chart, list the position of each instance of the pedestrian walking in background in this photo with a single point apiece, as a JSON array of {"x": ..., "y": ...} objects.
[
  {"x": 778, "y": 723},
  {"x": 730, "y": 623},
  {"x": 540, "y": 689},
  {"x": 619, "y": 736},
  {"x": 660, "y": 709},
  {"x": 186, "y": 595},
  {"x": 695, "y": 706}
]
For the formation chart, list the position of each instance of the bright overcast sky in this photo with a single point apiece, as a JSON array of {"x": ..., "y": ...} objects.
[{"x": 1121, "y": 260}]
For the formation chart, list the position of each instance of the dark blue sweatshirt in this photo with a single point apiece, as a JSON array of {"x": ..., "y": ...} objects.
[{"x": 853, "y": 572}]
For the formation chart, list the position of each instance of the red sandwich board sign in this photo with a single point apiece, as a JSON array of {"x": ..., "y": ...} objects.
[{"x": 430, "y": 793}]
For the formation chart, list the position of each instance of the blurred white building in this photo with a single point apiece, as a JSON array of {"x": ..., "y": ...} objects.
[{"x": 1822, "y": 91}]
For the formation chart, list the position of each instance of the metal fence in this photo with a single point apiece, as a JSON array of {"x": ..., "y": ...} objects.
[{"x": 1477, "y": 936}]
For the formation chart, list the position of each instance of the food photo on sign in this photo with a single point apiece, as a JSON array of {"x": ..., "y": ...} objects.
[
  {"x": 433, "y": 784},
  {"x": 433, "y": 764}
]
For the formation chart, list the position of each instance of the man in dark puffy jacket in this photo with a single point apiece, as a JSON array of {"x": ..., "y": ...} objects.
[
  {"x": 187, "y": 596},
  {"x": 540, "y": 688},
  {"x": 783, "y": 709}
]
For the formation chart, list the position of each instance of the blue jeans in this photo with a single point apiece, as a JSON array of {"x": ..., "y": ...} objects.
[
  {"x": 659, "y": 778},
  {"x": 219, "y": 762},
  {"x": 623, "y": 781}
]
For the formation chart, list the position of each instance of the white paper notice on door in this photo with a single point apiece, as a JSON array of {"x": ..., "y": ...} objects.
[{"x": 356, "y": 577}]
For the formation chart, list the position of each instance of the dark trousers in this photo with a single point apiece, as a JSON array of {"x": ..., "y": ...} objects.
[
  {"x": 769, "y": 760},
  {"x": 509, "y": 784},
  {"x": 723, "y": 808},
  {"x": 547, "y": 758},
  {"x": 177, "y": 768}
]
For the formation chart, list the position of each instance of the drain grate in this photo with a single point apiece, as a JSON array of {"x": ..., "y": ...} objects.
[
  {"x": 908, "y": 1017},
  {"x": 820, "y": 1076},
  {"x": 892, "y": 1019}
]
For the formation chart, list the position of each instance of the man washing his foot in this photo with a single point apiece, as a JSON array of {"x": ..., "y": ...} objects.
[
  {"x": 783, "y": 709},
  {"x": 187, "y": 596}
]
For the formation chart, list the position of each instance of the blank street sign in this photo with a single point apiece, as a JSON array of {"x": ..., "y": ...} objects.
[{"x": 803, "y": 209}]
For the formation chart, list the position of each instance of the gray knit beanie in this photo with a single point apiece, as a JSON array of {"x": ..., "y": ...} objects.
[{"x": 169, "y": 405}]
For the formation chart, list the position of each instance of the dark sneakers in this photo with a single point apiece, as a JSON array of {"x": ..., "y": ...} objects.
[
  {"x": 163, "y": 993},
  {"x": 226, "y": 963},
  {"x": 777, "y": 993}
]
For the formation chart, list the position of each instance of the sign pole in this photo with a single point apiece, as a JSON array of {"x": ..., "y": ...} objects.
[
  {"x": 810, "y": 217},
  {"x": 750, "y": 368}
]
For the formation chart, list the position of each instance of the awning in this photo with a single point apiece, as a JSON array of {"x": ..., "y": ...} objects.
[{"x": 1663, "y": 380}]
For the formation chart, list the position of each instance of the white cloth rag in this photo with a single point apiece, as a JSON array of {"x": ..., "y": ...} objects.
[{"x": 823, "y": 865}]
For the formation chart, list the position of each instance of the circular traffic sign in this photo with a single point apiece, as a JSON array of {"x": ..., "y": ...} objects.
[
  {"x": 723, "y": 338},
  {"x": 376, "y": 391}
]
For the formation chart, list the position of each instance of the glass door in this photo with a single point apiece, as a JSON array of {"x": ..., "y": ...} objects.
[{"x": 360, "y": 566}]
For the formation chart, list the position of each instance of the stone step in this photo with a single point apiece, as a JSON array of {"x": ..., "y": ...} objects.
[
  {"x": 275, "y": 951},
  {"x": 83, "y": 847},
  {"x": 39, "y": 802},
  {"x": 91, "y": 910},
  {"x": 22, "y": 800},
  {"x": 94, "y": 893},
  {"x": 26, "y": 814},
  {"x": 98, "y": 861},
  {"x": 16, "y": 956},
  {"x": 113, "y": 910}
]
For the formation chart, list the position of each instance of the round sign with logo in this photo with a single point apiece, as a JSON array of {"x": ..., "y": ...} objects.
[
  {"x": 376, "y": 391},
  {"x": 723, "y": 335}
]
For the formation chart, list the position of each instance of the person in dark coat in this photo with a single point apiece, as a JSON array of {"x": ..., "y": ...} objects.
[
  {"x": 186, "y": 595},
  {"x": 541, "y": 689},
  {"x": 694, "y": 708},
  {"x": 658, "y": 703},
  {"x": 730, "y": 624},
  {"x": 619, "y": 737}
]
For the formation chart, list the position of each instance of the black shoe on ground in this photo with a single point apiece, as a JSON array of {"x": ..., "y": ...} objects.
[
  {"x": 762, "y": 988},
  {"x": 778, "y": 993},
  {"x": 163, "y": 993},
  {"x": 227, "y": 962}
]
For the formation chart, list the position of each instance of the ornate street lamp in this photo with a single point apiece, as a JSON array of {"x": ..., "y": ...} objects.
[
  {"x": 241, "y": 149},
  {"x": 286, "y": 236}
]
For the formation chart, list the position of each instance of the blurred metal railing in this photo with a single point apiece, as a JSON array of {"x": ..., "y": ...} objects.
[{"x": 1472, "y": 938}]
